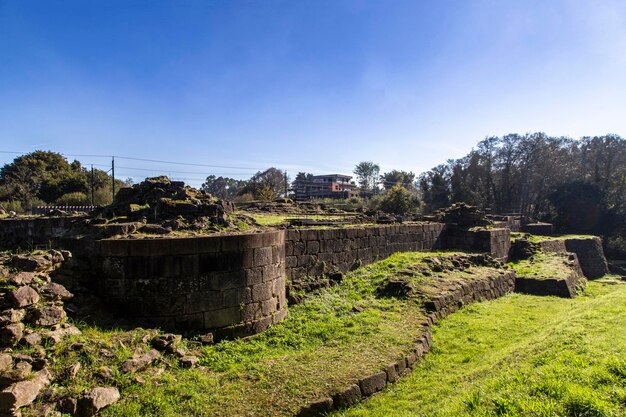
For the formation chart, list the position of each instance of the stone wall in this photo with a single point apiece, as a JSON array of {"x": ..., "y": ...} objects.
[
  {"x": 541, "y": 229},
  {"x": 496, "y": 242},
  {"x": 234, "y": 285},
  {"x": 313, "y": 252},
  {"x": 589, "y": 252},
  {"x": 27, "y": 233}
]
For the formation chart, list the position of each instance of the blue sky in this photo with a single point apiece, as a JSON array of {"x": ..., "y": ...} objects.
[{"x": 311, "y": 86}]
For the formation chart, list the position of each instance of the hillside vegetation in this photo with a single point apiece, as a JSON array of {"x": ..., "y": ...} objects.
[{"x": 520, "y": 355}]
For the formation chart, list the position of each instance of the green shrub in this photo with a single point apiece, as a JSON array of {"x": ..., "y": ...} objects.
[
  {"x": 73, "y": 199},
  {"x": 12, "y": 205},
  {"x": 397, "y": 200}
]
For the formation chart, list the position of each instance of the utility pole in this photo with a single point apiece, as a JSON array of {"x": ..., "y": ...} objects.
[
  {"x": 92, "y": 186},
  {"x": 113, "y": 176},
  {"x": 286, "y": 185}
]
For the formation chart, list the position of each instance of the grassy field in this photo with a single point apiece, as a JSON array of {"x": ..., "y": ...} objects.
[
  {"x": 520, "y": 355},
  {"x": 339, "y": 334}
]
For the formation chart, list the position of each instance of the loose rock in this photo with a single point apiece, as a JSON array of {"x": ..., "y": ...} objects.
[
  {"x": 189, "y": 361},
  {"x": 23, "y": 393},
  {"x": 96, "y": 399},
  {"x": 47, "y": 316},
  {"x": 54, "y": 291},
  {"x": 11, "y": 334},
  {"x": 23, "y": 297},
  {"x": 136, "y": 364}
]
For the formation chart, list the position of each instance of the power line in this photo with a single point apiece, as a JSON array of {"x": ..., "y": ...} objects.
[{"x": 146, "y": 160}]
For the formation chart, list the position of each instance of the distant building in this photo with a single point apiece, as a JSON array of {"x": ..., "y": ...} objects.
[{"x": 324, "y": 186}]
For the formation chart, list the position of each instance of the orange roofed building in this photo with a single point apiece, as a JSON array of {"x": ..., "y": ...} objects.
[{"x": 325, "y": 186}]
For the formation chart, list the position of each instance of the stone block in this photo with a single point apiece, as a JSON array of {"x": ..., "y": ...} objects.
[
  {"x": 291, "y": 261},
  {"x": 262, "y": 324},
  {"x": 275, "y": 238},
  {"x": 269, "y": 306},
  {"x": 317, "y": 408},
  {"x": 299, "y": 248},
  {"x": 225, "y": 280},
  {"x": 262, "y": 256},
  {"x": 308, "y": 234},
  {"x": 189, "y": 265},
  {"x": 232, "y": 297},
  {"x": 280, "y": 315},
  {"x": 251, "y": 312},
  {"x": 190, "y": 321},
  {"x": 231, "y": 243},
  {"x": 183, "y": 246},
  {"x": 204, "y": 301},
  {"x": 208, "y": 244},
  {"x": 262, "y": 292},
  {"x": 253, "y": 276},
  {"x": 392, "y": 373},
  {"x": 114, "y": 247},
  {"x": 134, "y": 267},
  {"x": 288, "y": 248},
  {"x": 312, "y": 247},
  {"x": 163, "y": 266},
  {"x": 373, "y": 383},
  {"x": 347, "y": 397},
  {"x": 292, "y": 235},
  {"x": 222, "y": 318}
]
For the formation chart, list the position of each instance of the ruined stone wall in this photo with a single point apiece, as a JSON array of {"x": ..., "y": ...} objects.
[
  {"x": 232, "y": 284},
  {"x": 27, "y": 233},
  {"x": 542, "y": 229},
  {"x": 313, "y": 252},
  {"x": 496, "y": 242},
  {"x": 588, "y": 249}
]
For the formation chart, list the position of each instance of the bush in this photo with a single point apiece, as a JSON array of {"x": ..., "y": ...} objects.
[
  {"x": 102, "y": 196},
  {"x": 397, "y": 200},
  {"x": 73, "y": 199},
  {"x": 12, "y": 205},
  {"x": 615, "y": 247}
]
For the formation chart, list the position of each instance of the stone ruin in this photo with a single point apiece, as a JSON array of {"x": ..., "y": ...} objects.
[
  {"x": 462, "y": 215},
  {"x": 160, "y": 206}
]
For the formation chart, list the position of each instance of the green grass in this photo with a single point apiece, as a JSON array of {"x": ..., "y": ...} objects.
[
  {"x": 520, "y": 355},
  {"x": 323, "y": 343},
  {"x": 337, "y": 335},
  {"x": 271, "y": 219},
  {"x": 540, "y": 238},
  {"x": 543, "y": 266}
]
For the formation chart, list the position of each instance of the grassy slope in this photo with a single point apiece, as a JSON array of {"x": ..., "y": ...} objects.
[
  {"x": 543, "y": 265},
  {"x": 323, "y": 343},
  {"x": 520, "y": 355}
]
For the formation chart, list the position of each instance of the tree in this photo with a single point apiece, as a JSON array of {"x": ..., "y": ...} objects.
[
  {"x": 367, "y": 175},
  {"x": 397, "y": 200},
  {"x": 274, "y": 179},
  {"x": 223, "y": 187},
  {"x": 47, "y": 176},
  {"x": 395, "y": 177}
]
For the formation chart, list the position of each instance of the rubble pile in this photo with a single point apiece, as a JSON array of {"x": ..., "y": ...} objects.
[
  {"x": 36, "y": 332},
  {"x": 160, "y": 206},
  {"x": 462, "y": 215}
]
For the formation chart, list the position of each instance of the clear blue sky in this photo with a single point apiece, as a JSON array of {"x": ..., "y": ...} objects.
[{"x": 304, "y": 85}]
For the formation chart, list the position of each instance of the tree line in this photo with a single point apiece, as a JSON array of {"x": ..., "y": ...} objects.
[
  {"x": 45, "y": 177},
  {"x": 579, "y": 185}
]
